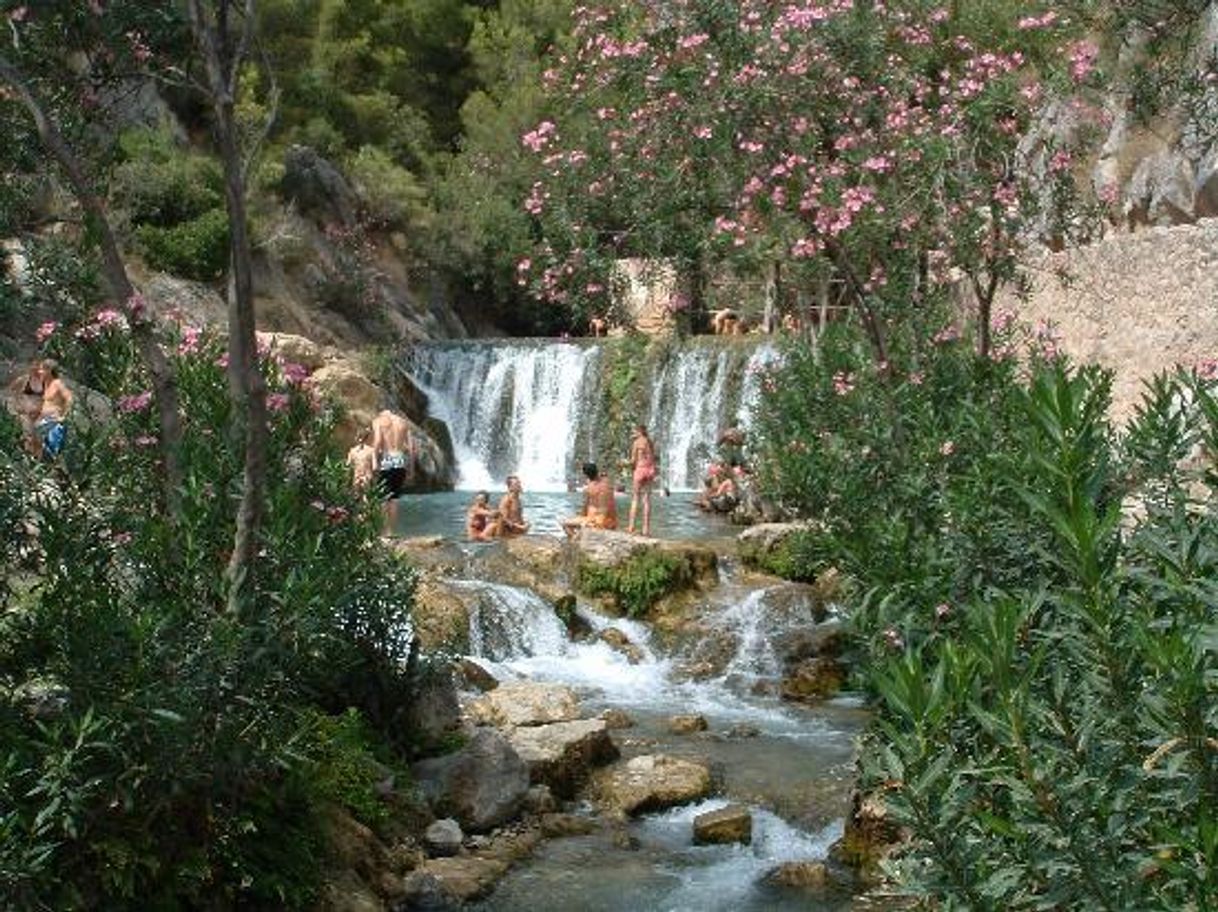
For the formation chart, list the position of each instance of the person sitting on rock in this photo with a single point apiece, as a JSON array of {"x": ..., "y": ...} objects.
[
  {"x": 51, "y": 426},
  {"x": 481, "y": 522},
  {"x": 511, "y": 511},
  {"x": 726, "y": 495},
  {"x": 599, "y": 510}
]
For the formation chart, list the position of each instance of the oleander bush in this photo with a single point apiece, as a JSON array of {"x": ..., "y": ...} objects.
[
  {"x": 1039, "y": 616},
  {"x": 156, "y": 751}
]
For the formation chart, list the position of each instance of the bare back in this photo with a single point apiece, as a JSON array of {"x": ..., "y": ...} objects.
[
  {"x": 56, "y": 400},
  {"x": 599, "y": 499},
  {"x": 391, "y": 434}
]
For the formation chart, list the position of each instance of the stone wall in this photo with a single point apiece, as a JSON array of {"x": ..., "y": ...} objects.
[{"x": 1138, "y": 303}]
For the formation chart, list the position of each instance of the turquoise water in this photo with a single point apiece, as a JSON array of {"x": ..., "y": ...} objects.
[{"x": 444, "y": 514}]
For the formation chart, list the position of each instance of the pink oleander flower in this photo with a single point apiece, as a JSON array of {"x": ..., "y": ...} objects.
[
  {"x": 893, "y": 639},
  {"x": 917, "y": 378},
  {"x": 942, "y": 611},
  {"x": 1207, "y": 369},
  {"x": 277, "y": 402},
  {"x": 122, "y": 538},
  {"x": 947, "y": 448},
  {"x": 843, "y": 383},
  {"x": 145, "y": 440},
  {"x": 295, "y": 374},
  {"x": 137, "y": 403},
  {"x": 190, "y": 340},
  {"x": 45, "y": 331},
  {"x": 108, "y": 318}
]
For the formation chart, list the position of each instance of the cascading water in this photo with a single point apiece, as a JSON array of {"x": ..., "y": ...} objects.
[{"x": 537, "y": 409}]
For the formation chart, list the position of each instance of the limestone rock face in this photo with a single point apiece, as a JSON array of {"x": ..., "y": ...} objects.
[
  {"x": 610, "y": 549},
  {"x": 471, "y": 674},
  {"x": 317, "y": 187},
  {"x": 653, "y": 782},
  {"x": 1206, "y": 185},
  {"x": 617, "y": 718},
  {"x": 435, "y": 710},
  {"x": 533, "y": 561},
  {"x": 518, "y": 703},
  {"x": 562, "y": 754},
  {"x": 764, "y": 539},
  {"x": 1161, "y": 191},
  {"x": 733, "y": 823},
  {"x": 294, "y": 349},
  {"x": 482, "y": 785}
]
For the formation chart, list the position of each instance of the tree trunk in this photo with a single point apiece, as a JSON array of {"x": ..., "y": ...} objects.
[
  {"x": 769, "y": 321},
  {"x": 164, "y": 380},
  {"x": 985, "y": 307},
  {"x": 871, "y": 321},
  {"x": 222, "y": 60}
]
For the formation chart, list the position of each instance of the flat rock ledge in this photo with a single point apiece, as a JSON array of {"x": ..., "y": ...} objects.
[
  {"x": 521, "y": 703},
  {"x": 652, "y": 782}
]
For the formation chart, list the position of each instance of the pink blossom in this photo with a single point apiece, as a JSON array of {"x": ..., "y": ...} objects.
[
  {"x": 295, "y": 374},
  {"x": 942, "y": 611},
  {"x": 277, "y": 402},
  {"x": 190, "y": 340},
  {"x": 136, "y": 403},
  {"x": 917, "y": 378},
  {"x": 947, "y": 448},
  {"x": 109, "y": 317},
  {"x": 122, "y": 538},
  {"x": 46, "y": 330},
  {"x": 145, "y": 440},
  {"x": 893, "y": 639},
  {"x": 843, "y": 383}
]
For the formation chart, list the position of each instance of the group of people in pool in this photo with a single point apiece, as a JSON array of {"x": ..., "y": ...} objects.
[{"x": 599, "y": 508}]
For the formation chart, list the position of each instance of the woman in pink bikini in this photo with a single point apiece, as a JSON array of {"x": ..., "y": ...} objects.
[{"x": 643, "y": 460}]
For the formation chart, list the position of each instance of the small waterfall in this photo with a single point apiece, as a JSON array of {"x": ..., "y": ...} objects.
[
  {"x": 537, "y": 408},
  {"x": 507, "y": 622},
  {"x": 749, "y": 620}
]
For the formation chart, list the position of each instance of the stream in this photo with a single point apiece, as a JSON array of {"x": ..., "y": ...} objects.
[{"x": 792, "y": 765}]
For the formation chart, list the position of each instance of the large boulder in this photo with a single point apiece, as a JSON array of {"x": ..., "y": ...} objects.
[
  {"x": 640, "y": 576},
  {"x": 520, "y": 703},
  {"x": 871, "y": 836},
  {"x": 562, "y": 754},
  {"x": 813, "y": 680},
  {"x": 359, "y": 397},
  {"x": 762, "y": 545},
  {"x": 1205, "y": 185},
  {"x": 610, "y": 549},
  {"x": 434, "y": 713},
  {"x": 652, "y": 782},
  {"x": 482, "y": 785},
  {"x": 1161, "y": 191},
  {"x": 443, "y": 838}
]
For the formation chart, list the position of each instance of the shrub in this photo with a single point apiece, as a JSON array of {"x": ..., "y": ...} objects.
[
  {"x": 197, "y": 249},
  {"x": 638, "y": 583},
  {"x": 155, "y": 751}
]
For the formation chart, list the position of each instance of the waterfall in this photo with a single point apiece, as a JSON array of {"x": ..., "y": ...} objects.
[
  {"x": 507, "y": 621},
  {"x": 537, "y": 408}
]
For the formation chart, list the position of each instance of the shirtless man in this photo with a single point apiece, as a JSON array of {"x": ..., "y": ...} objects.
[
  {"x": 361, "y": 458},
  {"x": 600, "y": 508},
  {"x": 511, "y": 512},
  {"x": 395, "y": 452},
  {"x": 51, "y": 427}
]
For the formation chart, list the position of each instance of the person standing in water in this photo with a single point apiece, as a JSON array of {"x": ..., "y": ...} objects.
[
  {"x": 643, "y": 462},
  {"x": 361, "y": 459},
  {"x": 395, "y": 452},
  {"x": 511, "y": 511}
]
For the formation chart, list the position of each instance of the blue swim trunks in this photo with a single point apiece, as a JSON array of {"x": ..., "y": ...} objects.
[{"x": 53, "y": 433}]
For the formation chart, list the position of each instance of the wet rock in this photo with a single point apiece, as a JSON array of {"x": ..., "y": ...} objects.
[
  {"x": 871, "y": 835},
  {"x": 443, "y": 838},
  {"x": 743, "y": 730},
  {"x": 423, "y": 891},
  {"x": 472, "y": 675},
  {"x": 577, "y": 626},
  {"x": 801, "y": 875},
  {"x": 521, "y": 703},
  {"x": 617, "y": 719},
  {"x": 562, "y": 754},
  {"x": 793, "y": 604},
  {"x": 812, "y": 680},
  {"x": 827, "y": 640},
  {"x": 733, "y": 823},
  {"x": 441, "y": 615},
  {"x": 557, "y": 826},
  {"x": 687, "y": 724},
  {"x": 653, "y": 782},
  {"x": 619, "y": 642},
  {"x": 346, "y": 892},
  {"x": 482, "y": 785},
  {"x": 540, "y": 800}
]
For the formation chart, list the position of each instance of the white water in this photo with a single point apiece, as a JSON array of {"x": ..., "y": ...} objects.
[{"x": 534, "y": 408}]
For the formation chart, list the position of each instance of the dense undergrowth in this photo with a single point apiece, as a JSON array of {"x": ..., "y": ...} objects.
[
  {"x": 159, "y": 752},
  {"x": 1034, "y": 593}
]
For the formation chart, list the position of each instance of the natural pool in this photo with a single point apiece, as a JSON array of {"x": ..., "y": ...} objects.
[{"x": 444, "y": 514}]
